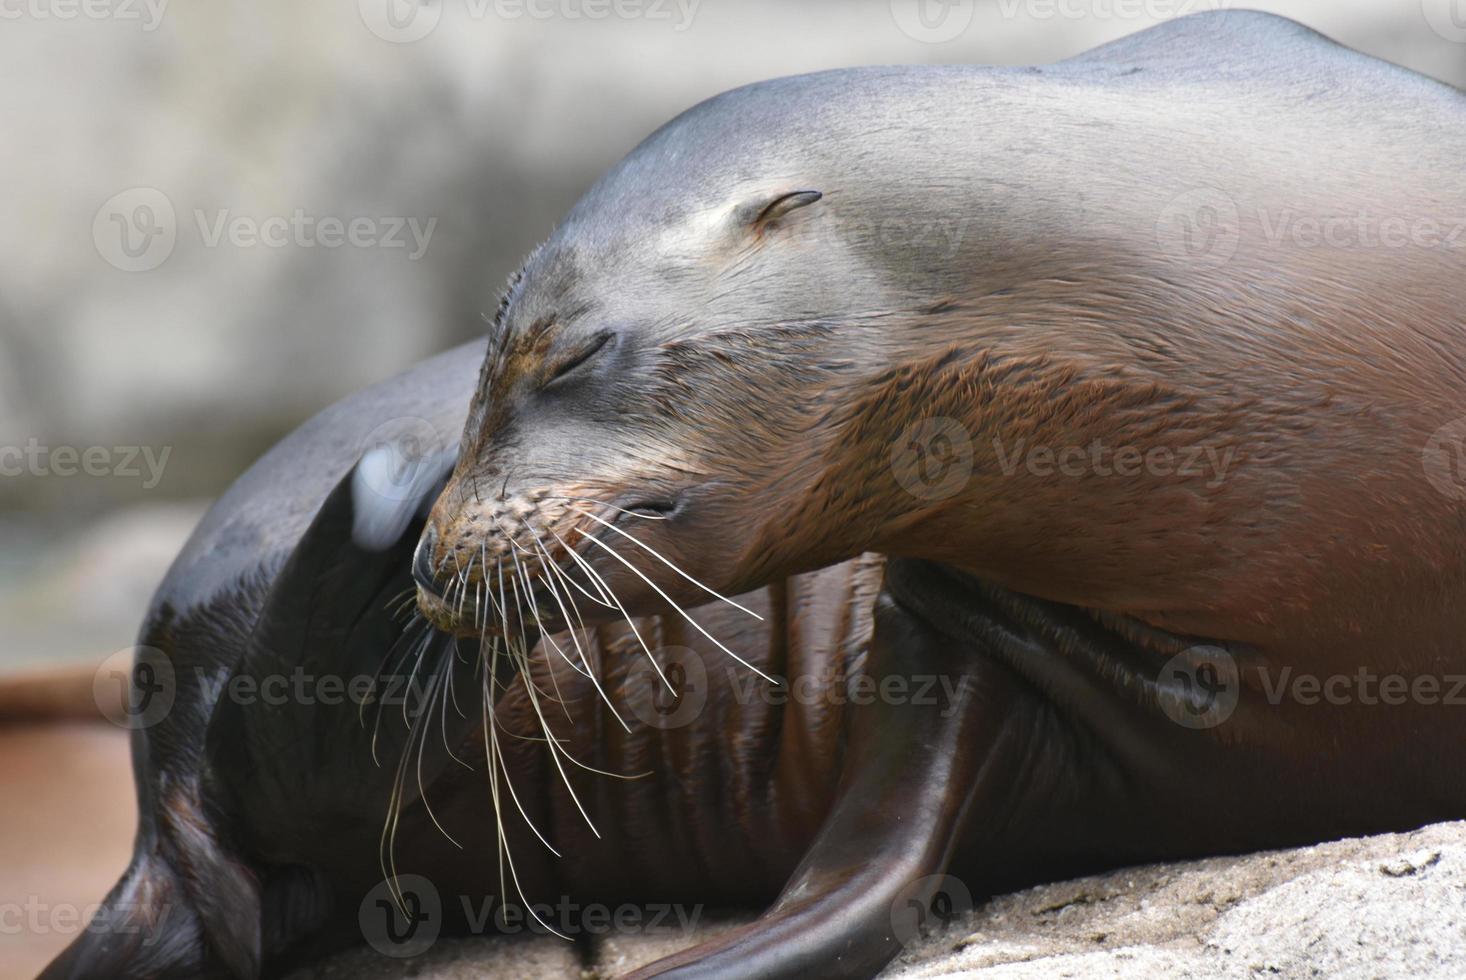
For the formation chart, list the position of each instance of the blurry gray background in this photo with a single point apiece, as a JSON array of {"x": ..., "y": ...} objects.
[{"x": 148, "y": 145}]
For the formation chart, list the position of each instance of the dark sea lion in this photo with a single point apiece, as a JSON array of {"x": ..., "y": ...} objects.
[
  {"x": 261, "y": 818},
  {"x": 193, "y": 903},
  {"x": 1182, "y": 314}
]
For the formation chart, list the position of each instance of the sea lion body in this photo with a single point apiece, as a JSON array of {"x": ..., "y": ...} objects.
[{"x": 1224, "y": 239}]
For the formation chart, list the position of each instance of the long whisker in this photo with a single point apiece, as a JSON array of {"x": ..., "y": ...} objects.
[
  {"x": 556, "y": 751},
  {"x": 668, "y": 562},
  {"x": 598, "y": 601},
  {"x": 450, "y": 670},
  {"x": 523, "y": 637},
  {"x": 491, "y": 751},
  {"x": 545, "y": 636},
  {"x": 548, "y": 561},
  {"x": 629, "y": 622},
  {"x": 682, "y": 612},
  {"x": 388, "y": 843},
  {"x": 509, "y": 784},
  {"x": 418, "y": 645},
  {"x": 407, "y": 637},
  {"x": 412, "y": 678},
  {"x": 590, "y": 674},
  {"x": 426, "y": 715},
  {"x": 452, "y": 687}
]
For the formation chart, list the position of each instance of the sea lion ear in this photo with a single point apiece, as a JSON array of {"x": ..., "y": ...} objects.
[{"x": 766, "y": 212}]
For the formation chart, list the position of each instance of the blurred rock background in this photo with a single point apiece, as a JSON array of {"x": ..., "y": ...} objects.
[{"x": 145, "y": 139}]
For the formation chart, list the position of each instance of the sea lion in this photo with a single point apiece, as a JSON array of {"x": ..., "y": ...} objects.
[
  {"x": 260, "y": 843},
  {"x": 1224, "y": 239}
]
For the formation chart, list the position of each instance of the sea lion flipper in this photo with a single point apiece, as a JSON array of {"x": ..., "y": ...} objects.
[
  {"x": 912, "y": 769},
  {"x": 291, "y": 719}
]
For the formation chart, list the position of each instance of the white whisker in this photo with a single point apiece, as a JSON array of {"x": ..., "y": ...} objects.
[
  {"x": 682, "y": 612},
  {"x": 629, "y": 622},
  {"x": 668, "y": 562}
]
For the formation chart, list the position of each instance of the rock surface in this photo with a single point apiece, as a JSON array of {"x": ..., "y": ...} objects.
[{"x": 1393, "y": 905}]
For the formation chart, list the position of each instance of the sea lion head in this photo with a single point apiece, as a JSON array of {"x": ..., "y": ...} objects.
[
  {"x": 614, "y": 423},
  {"x": 666, "y": 383},
  {"x": 694, "y": 383}
]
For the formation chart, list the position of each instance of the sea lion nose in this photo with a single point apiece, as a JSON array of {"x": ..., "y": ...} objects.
[{"x": 424, "y": 560}]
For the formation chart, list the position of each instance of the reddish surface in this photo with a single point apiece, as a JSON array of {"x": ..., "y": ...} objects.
[{"x": 67, "y": 816}]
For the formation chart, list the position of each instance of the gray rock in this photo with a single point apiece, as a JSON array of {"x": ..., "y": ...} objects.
[{"x": 1375, "y": 907}]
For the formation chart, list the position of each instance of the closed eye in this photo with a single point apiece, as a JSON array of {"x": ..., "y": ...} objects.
[{"x": 580, "y": 357}]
